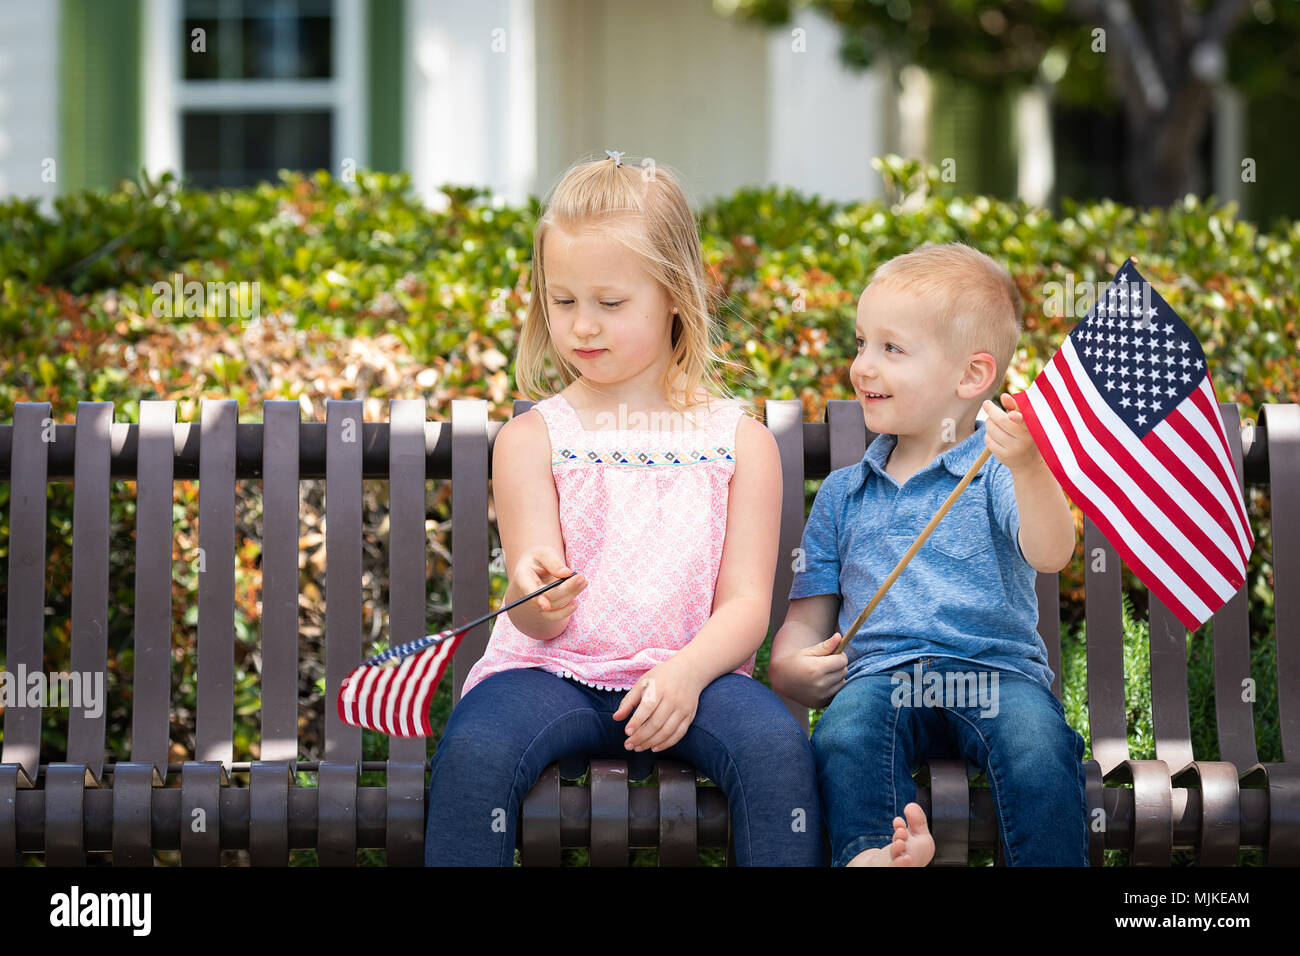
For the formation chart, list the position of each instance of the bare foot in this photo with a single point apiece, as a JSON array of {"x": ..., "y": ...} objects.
[
  {"x": 912, "y": 844},
  {"x": 912, "y": 838}
]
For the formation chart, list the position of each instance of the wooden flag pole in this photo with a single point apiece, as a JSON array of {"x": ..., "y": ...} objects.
[{"x": 916, "y": 546}]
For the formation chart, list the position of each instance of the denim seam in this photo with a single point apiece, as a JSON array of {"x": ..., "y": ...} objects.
[
  {"x": 749, "y": 841},
  {"x": 893, "y": 763},
  {"x": 523, "y": 756},
  {"x": 992, "y": 774}
]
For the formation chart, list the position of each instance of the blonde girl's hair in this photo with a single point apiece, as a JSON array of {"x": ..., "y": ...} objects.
[{"x": 644, "y": 208}]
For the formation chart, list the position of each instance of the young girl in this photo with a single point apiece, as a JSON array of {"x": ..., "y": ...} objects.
[{"x": 664, "y": 499}]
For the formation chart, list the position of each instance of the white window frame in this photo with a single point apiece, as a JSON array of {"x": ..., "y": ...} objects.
[{"x": 167, "y": 94}]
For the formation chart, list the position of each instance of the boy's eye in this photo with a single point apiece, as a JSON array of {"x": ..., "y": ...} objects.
[{"x": 861, "y": 343}]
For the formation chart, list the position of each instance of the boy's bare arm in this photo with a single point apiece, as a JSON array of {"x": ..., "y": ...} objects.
[
  {"x": 1046, "y": 535},
  {"x": 804, "y": 666}
]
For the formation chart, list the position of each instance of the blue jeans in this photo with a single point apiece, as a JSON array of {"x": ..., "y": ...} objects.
[
  {"x": 873, "y": 736},
  {"x": 509, "y": 727}
]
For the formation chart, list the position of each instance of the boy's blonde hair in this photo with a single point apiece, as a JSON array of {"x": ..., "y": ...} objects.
[
  {"x": 978, "y": 304},
  {"x": 645, "y": 209}
]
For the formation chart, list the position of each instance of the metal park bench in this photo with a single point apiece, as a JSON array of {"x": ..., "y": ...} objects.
[{"x": 85, "y": 801}]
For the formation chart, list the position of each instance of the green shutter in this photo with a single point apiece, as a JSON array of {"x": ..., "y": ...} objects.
[
  {"x": 99, "y": 92},
  {"x": 973, "y": 125},
  {"x": 386, "y": 30},
  {"x": 1270, "y": 142}
]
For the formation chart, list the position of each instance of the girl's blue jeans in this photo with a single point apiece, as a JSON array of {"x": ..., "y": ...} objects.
[
  {"x": 508, "y": 728},
  {"x": 867, "y": 746}
]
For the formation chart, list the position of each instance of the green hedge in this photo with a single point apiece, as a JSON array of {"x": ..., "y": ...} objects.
[{"x": 366, "y": 293}]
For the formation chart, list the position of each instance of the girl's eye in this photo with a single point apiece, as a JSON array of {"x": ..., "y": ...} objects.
[
  {"x": 613, "y": 305},
  {"x": 561, "y": 301}
]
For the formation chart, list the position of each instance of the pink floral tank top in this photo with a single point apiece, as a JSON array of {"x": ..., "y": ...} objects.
[{"x": 643, "y": 514}]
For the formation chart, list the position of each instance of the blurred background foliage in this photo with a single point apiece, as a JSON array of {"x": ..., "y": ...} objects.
[{"x": 364, "y": 293}]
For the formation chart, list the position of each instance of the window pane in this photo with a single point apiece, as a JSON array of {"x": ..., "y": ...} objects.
[
  {"x": 287, "y": 47},
  {"x": 245, "y": 147},
  {"x": 202, "y": 64},
  {"x": 260, "y": 39}
]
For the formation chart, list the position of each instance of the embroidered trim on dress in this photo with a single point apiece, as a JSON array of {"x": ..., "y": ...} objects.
[
  {"x": 567, "y": 673},
  {"x": 640, "y": 459}
]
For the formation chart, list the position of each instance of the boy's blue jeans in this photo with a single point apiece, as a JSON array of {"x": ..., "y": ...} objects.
[
  {"x": 866, "y": 748},
  {"x": 508, "y": 728}
]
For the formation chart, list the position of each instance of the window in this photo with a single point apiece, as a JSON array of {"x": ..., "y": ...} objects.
[{"x": 263, "y": 85}]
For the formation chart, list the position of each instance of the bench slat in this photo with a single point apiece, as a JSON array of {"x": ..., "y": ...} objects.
[
  {"x": 609, "y": 817},
  {"x": 90, "y": 532},
  {"x": 1105, "y": 650},
  {"x": 280, "y": 533},
  {"x": 343, "y": 495},
  {"x": 1234, "y": 715},
  {"x": 408, "y": 551},
  {"x": 469, "y": 531},
  {"x": 215, "y": 706},
  {"x": 1167, "y": 644},
  {"x": 24, "y": 643},
  {"x": 151, "y": 676},
  {"x": 407, "y": 545},
  {"x": 785, "y": 421},
  {"x": 678, "y": 817},
  {"x": 1283, "y": 428},
  {"x": 1047, "y": 589}
]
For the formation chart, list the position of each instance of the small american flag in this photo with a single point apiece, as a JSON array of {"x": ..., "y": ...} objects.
[
  {"x": 390, "y": 692},
  {"x": 1126, "y": 418}
]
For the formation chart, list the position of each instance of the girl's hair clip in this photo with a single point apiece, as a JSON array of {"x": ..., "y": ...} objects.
[{"x": 615, "y": 155}]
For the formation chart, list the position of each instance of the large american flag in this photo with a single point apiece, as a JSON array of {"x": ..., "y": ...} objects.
[
  {"x": 1126, "y": 418},
  {"x": 390, "y": 692}
]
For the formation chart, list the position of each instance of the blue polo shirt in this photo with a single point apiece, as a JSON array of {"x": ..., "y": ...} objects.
[{"x": 968, "y": 593}]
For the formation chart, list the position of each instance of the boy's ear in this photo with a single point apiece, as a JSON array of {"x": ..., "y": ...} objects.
[{"x": 978, "y": 376}]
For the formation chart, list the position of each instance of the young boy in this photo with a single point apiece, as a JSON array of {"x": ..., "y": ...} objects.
[{"x": 950, "y": 662}]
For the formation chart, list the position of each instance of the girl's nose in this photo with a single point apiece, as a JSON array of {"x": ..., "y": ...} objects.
[{"x": 583, "y": 324}]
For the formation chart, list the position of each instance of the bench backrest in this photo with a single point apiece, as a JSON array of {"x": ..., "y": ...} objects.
[{"x": 407, "y": 451}]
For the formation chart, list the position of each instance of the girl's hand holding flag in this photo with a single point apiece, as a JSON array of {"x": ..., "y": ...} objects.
[{"x": 391, "y": 691}]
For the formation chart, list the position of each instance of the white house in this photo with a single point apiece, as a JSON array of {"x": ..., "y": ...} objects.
[
  {"x": 500, "y": 93},
  {"x": 497, "y": 93}
]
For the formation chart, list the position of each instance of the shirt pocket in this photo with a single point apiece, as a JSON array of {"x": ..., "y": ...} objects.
[
  {"x": 964, "y": 531},
  {"x": 961, "y": 534}
]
